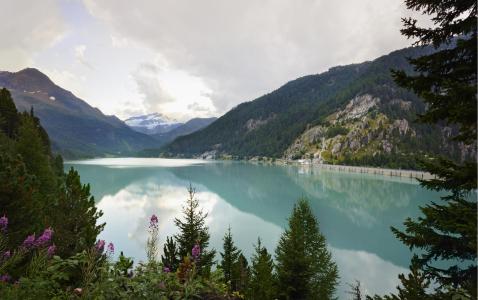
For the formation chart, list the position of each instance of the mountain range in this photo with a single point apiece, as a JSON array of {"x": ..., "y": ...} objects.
[
  {"x": 165, "y": 129},
  {"x": 79, "y": 130},
  {"x": 353, "y": 114},
  {"x": 154, "y": 123}
]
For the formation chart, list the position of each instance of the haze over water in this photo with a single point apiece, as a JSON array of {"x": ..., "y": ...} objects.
[{"x": 355, "y": 211}]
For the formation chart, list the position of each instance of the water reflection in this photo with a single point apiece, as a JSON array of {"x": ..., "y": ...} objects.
[{"x": 355, "y": 211}]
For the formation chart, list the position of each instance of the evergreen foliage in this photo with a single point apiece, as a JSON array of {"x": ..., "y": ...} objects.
[
  {"x": 9, "y": 115},
  {"x": 229, "y": 260},
  {"x": 170, "y": 255},
  {"x": 192, "y": 230},
  {"x": 446, "y": 80},
  {"x": 77, "y": 222},
  {"x": 305, "y": 269},
  {"x": 35, "y": 192},
  {"x": 241, "y": 274},
  {"x": 262, "y": 284}
]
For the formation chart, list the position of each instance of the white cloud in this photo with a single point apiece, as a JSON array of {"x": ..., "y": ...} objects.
[
  {"x": 172, "y": 92},
  {"x": 27, "y": 28},
  {"x": 243, "y": 49}
]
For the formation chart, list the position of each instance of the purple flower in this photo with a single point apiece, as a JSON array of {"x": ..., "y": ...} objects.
[
  {"x": 51, "y": 250},
  {"x": 5, "y": 278},
  {"x": 110, "y": 248},
  {"x": 153, "y": 222},
  {"x": 166, "y": 270},
  {"x": 3, "y": 223},
  {"x": 29, "y": 241},
  {"x": 45, "y": 238},
  {"x": 154, "y": 219},
  {"x": 196, "y": 251},
  {"x": 100, "y": 246},
  {"x": 7, "y": 254}
]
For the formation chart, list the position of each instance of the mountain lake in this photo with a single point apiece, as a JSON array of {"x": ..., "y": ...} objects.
[{"x": 355, "y": 211}]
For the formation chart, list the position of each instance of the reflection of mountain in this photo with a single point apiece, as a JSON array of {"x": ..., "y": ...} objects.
[
  {"x": 362, "y": 198},
  {"x": 355, "y": 212},
  {"x": 108, "y": 181}
]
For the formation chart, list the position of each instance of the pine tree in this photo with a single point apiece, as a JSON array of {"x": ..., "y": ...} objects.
[
  {"x": 35, "y": 154},
  {"x": 8, "y": 114},
  {"x": 74, "y": 216},
  {"x": 355, "y": 290},
  {"x": 413, "y": 287},
  {"x": 20, "y": 199},
  {"x": 446, "y": 80},
  {"x": 230, "y": 257},
  {"x": 262, "y": 274},
  {"x": 193, "y": 230},
  {"x": 305, "y": 268},
  {"x": 241, "y": 275},
  {"x": 170, "y": 255}
]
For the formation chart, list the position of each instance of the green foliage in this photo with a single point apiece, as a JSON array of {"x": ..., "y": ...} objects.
[
  {"x": 77, "y": 225},
  {"x": 192, "y": 230},
  {"x": 240, "y": 275},
  {"x": 282, "y": 115},
  {"x": 8, "y": 114},
  {"x": 170, "y": 255},
  {"x": 305, "y": 269},
  {"x": 336, "y": 130},
  {"x": 229, "y": 260},
  {"x": 35, "y": 193},
  {"x": 263, "y": 281},
  {"x": 446, "y": 79}
]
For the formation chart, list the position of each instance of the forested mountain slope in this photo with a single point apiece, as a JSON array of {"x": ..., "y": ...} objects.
[{"x": 357, "y": 106}]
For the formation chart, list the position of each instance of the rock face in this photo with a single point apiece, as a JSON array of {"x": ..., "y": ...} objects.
[
  {"x": 358, "y": 107},
  {"x": 368, "y": 127},
  {"x": 253, "y": 124}
]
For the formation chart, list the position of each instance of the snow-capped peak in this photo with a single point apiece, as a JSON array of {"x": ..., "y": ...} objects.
[{"x": 152, "y": 123}]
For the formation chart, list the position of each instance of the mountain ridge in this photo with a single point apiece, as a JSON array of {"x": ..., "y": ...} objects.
[
  {"x": 76, "y": 128},
  {"x": 271, "y": 124}
]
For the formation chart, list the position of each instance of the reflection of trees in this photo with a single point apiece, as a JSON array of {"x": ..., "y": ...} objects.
[
  {"x": 355, "y": 212},
  {"x": 108, "y": 181},
  {"x": 361, "y": 197}
]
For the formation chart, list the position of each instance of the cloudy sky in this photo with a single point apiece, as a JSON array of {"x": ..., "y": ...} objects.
[{"x": 190, "y": 58}]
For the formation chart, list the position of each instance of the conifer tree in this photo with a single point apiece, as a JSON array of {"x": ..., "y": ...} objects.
[
  {"x": 35, "y": 154},
  {"x": 75, "y": 216},
  {"x": 229, "y": 257},
  {"x": 241, "y": 275},
  {"x": 20, "y": 199},
  {"x": 8, "y": 114},
  {"x": 414, "y": 286},
  {"x": 170, "y": 255},
  {"x": 305, "y": 268},
  {"x": 262, "y": 274},
  {"x": 447, "y": 81},
  {"x": 192, "y": 230}
]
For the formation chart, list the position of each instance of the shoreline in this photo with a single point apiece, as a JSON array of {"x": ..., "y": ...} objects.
[{"x": 301, "y": 162}]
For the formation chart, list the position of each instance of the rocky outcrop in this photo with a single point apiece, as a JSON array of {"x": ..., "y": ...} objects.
[
  {"x": 362, "y": 128},
  {"x": 253, "y": 124},
  {"x": 358, "y": 107}
]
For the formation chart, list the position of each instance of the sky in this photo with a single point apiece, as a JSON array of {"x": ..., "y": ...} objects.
[{"x": 189, "y": 59}]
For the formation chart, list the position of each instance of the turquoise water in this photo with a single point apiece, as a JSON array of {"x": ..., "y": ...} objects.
[{"x": 355, "y": 211}]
